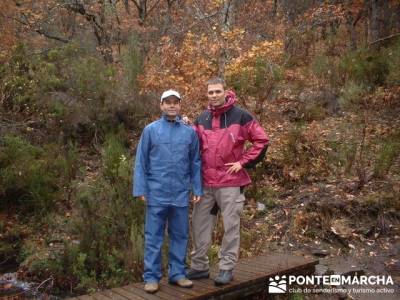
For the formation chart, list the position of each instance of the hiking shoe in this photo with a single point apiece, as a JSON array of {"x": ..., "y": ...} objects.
[
  {"x": 194, "y": 274},
  {"x": 224, "y": 277},
  {"x": 151, "y": 287},
  {"x": 183, "y": 282}
]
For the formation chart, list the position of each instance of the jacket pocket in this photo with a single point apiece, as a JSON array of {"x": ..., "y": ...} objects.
[{"x": 180, "y": 151}]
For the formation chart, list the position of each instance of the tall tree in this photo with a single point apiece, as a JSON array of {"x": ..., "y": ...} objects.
[{"x": 378, "y": 17}]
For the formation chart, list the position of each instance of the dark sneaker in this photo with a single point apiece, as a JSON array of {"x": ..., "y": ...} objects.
[
  {"x": 224, "y": 277},
  {"x": 194, "y": 274}
]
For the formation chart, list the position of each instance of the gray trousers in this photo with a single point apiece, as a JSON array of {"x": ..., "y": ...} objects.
[{"x": 230, "y": 201}]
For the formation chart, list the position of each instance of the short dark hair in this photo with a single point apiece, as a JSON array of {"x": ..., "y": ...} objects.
[{"x": 216, "y": 80}]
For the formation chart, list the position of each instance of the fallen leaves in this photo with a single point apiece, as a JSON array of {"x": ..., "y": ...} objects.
[{"x": 342, "y": 228}]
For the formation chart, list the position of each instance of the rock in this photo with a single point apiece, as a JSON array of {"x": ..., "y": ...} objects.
[
  {"x": 320, "y": 252},
  {"x": 321, "y": 270},
  {"x": 354, "y": 273},
  {"x": 260, "y": 206},
  {"x": 342, "y": 228},
  {"x": 348, "y": 270}
]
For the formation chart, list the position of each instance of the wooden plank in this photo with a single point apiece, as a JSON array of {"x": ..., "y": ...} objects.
[
  {"x": 140, "y": 292},
  {"x": 244, "y": 276},
  {"x": 241, "y": 288},
  {"x": 209, "y": 282},
  {"x": 242, "y": 293},
  {"x": 126, "y": 294},
  {"x": 111, "y": 295},
  {"x": 200, "y": 287},
  {"x": 139, "y": 289},
  {"x": 99, "y": 296},
  {"x": 213, "y": 290},
  {"x": 248, "y": 269},
  {"x": 85, "y": 297},
  {"x": 210, "y": 287},
  {"x": 250, "y": 276},
  {"x": 200, "y": 290},
  {"x": 238, "y": 284},
  {"x": 175, "y": 291}
]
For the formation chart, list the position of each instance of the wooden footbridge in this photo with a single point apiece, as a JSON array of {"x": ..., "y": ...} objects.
[{"x": 250, "y": 277}]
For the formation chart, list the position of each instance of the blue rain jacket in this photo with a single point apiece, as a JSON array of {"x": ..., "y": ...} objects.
[{"x": 168, "y": 164}]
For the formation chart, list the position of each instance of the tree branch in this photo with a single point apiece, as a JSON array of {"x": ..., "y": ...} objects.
[
  {"x": 136, "y": 4},
  {"x": 154, "y": 6},
  {"x": 50, "y": 36},
  {"x": 385, "y": 38},
  {"x": 40, "y": 30}
]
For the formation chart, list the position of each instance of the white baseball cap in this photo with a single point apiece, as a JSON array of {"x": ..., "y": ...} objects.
[{"x": 170, "y": 93}]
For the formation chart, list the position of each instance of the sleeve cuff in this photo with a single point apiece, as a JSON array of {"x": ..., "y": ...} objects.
[{"x": 243, "y": 162}]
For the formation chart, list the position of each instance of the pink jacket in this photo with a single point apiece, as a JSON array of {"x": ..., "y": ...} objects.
[{"x": 223, "y": 132}]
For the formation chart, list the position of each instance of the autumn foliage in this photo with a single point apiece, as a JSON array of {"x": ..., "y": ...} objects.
[{"x": 80, "y": 79}]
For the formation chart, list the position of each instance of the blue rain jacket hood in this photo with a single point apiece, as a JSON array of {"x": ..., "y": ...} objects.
[{"x": 167, "y": 165}]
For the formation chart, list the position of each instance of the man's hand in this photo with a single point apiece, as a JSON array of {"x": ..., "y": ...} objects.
[
  {"x": 196, "y": 199},
  {"x": 143, "y": 198},
  {"x": 235, "y": 167},
  {"x": 186, "y": 120}
]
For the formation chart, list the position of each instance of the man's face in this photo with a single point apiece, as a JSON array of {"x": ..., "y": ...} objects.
[
  {"x": 171, "y": 106},
  {"x": 216, "y": 94}
]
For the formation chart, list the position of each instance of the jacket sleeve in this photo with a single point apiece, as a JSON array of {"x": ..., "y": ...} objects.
[
  {"x": 195, "y": 166},
  {"x": 195, "y": 127},
  {"x": 141, "y": 164},
  {"x": 259, "y": 140}
]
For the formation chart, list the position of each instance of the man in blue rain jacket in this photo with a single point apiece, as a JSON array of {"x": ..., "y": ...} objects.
[{"x": 167, "y": 169}]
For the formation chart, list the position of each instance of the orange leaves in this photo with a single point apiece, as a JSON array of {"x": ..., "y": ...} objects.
[
  {"x": 271, "y": 51},
  {"x": 7, "y": 33},
  {"x": 185, "y": 68},
  {"x": 325, "y": 13}
]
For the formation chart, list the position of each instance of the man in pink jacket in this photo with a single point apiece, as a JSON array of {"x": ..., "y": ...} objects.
[{"x": 223, "y": 130}]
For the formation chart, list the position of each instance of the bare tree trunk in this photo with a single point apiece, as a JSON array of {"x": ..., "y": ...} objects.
[
  {"x": 227, "y": 16},
  {"x": 98, "y": 24},
  {"x": 144, "y": 10},
  {"x": 397, "y": 18},
  {"x": 274, "y": 9},
  {"x": 351, "y": 23},
  {"x": 378, "y": 10}
]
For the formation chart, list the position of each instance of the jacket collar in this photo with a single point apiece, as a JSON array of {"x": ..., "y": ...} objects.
[
  {"x": 230, "y": 100},
  {"x": 178, "y": 119}
]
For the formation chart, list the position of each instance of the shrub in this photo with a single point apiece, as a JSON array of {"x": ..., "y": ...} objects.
[
  {"x": 91, "y": 80},
  {"x": 353, "y": 94},
  {"x": 364, "y": 66},
  {"x": 31, "y": 176},
  {"x": 387, "y": 154},
  {"x": 304, "y": 155},
  {"x": 109, "y": 224},
  {"x": 311, "y": 111},
  {"x": 256, "y": 72},
  {"x": 326, "y": 68},
  {"x": 252, "y": 81},
  {"x": 265, "y": 195},
  {"x": 392, "y": 55},
  {"x": 133, "y": 63},
  {"x": 17, "y": 80},
  {"x": 343, "y": 155},
  {"x": 114, "y": 154}
]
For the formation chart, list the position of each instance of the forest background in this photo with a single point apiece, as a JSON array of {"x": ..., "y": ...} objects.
[{"x": 79, "y": 79}]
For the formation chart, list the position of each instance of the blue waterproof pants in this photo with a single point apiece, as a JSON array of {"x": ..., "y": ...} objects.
[{"x": 177, "y": 219}]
